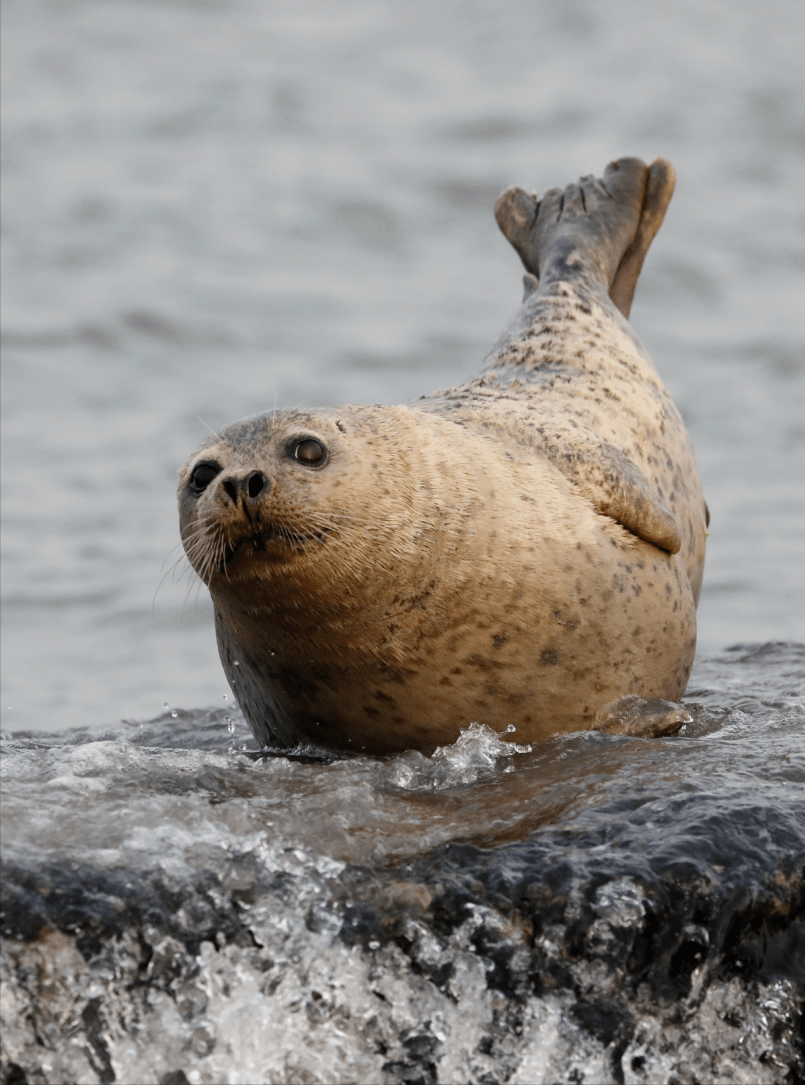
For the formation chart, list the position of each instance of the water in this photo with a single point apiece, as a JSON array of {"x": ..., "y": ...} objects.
[
  {"x": 210, "y": 208},
  {"x": 595, "y": 908}
]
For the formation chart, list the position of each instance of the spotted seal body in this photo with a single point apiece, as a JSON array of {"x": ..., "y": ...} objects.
[{"x": 523, "y": 550}]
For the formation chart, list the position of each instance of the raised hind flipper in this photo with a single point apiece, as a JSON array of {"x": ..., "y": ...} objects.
[
  {"x": 659, "y": 190},
  {"x": 601, "y": 226}
]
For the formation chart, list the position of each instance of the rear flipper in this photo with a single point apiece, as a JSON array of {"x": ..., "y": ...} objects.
[
  {"x": 659, "y": 190},
  {"x": 603, "y": 227}
]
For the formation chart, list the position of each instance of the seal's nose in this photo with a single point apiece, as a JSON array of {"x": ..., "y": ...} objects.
[{"x": 250, "y": 485}]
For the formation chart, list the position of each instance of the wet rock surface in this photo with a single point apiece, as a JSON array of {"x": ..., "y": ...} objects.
[{"x": 651, "y": 929}]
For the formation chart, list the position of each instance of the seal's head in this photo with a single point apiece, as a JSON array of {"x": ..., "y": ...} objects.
[{"x": 260, "y": 496}]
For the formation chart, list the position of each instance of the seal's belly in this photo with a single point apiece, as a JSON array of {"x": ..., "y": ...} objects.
[{"x": 538, "y": 646}]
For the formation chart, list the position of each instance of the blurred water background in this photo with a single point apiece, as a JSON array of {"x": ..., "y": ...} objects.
[{"x": 213, "y": 206}]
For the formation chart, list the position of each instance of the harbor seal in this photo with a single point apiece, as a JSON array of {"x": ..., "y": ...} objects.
[{"x": 521, "y": 551}]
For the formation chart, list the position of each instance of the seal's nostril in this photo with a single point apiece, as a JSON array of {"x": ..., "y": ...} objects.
[{"x": 255, "y": 483}]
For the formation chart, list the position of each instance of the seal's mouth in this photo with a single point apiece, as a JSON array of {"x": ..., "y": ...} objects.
[{"x": 262, "y": 542}]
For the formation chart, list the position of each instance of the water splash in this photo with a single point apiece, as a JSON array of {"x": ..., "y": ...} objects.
[{"x": 477, "y": 754}]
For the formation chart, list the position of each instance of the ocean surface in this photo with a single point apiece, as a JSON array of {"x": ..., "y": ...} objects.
[{"x": 212, "y": 207}]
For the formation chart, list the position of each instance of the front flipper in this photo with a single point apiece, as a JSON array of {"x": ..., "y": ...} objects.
[
  {"x": 612, "y": 483},
  {"x": 635, "y": 716}
]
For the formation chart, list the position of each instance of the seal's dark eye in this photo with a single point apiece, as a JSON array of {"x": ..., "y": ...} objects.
[
  {"x": 202, "y": 476},
  {"x": 309, "y": 451}
]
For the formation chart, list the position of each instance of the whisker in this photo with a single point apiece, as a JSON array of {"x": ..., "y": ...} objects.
[
  {"x": 215, "y": 433},
  {"x": 166, "y": 574}
]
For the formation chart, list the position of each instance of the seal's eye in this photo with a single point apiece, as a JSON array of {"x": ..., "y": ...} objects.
[
  {"x": 309, "y": 451},
  {"x": 202, "y": 476}
]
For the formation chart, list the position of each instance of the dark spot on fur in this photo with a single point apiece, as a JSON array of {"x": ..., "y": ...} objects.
[
  {"x": 371, "y": 712},
  {"x": 381, "y": 696},
  {"x": 566, "y": 620},
  {"x": 398, "y": 675},
  {"x": 481, "y": 662},
  {"x": 498, "y": 642},
  {"x": 549, "y": 659}
]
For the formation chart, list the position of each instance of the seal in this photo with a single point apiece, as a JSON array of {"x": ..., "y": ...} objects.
[{"x": 523, "y": 551}]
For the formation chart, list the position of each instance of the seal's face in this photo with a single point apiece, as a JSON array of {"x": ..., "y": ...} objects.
[{"x": 249, "y": 500}]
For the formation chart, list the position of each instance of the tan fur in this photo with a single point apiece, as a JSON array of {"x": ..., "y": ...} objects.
[{"x": 497, "y": 553}]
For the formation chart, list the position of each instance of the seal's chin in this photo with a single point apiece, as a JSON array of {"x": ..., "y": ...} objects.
[{"x": 274, "y": 542}]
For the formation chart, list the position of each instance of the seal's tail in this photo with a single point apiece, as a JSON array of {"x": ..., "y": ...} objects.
[{"x": 610, "y": 223}]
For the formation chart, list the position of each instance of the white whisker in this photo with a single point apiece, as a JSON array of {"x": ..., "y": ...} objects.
[{"x": 215, "y": 433}]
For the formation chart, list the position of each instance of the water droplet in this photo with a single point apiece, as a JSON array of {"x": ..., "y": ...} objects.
[
  {"x": 230, "y": 727},
  {"x": 174, "y": 713},
  {"x": 225, "y": 697},
  {"x": 510, "y": 729},
  {"x": 166, "y": 705},
  {"x": 236, "y": 663}
]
